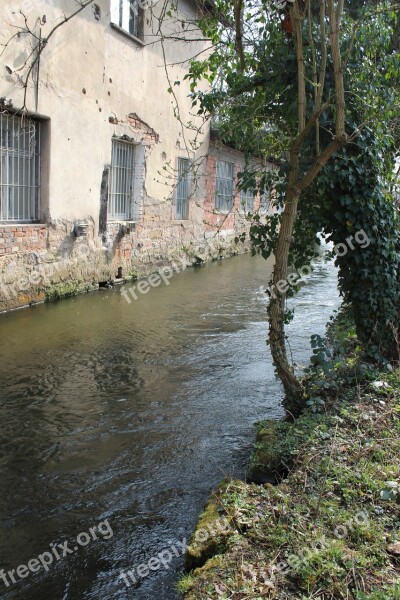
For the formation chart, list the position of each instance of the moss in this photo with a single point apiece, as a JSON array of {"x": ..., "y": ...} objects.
[
  {"x": 66, "y": 289},
  {"x": 133, "y": 275},
  {"x": 212, "y": 531},
  {"x": 185, "y": 582},
  {"x": 268, "y": 463}
]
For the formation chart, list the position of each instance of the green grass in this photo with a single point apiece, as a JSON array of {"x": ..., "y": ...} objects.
[{"x": 184, "y": 583}]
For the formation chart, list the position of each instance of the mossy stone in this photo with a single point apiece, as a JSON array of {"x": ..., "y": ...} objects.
[
  {"x": 267, "y": 464},
  {"x": 211, "y": 533}
]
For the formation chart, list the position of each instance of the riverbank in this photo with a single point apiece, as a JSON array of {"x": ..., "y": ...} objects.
[{"x": 329, "y": 528}]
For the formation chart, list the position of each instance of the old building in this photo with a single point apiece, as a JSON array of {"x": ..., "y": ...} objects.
[{"x": 99, "y": 178}]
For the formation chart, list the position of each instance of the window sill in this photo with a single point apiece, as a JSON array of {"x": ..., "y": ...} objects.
[
  {"x": 122, "y": 221},
  {"x": 21, "y": 224},
  {"x": 130, "y": 36}
]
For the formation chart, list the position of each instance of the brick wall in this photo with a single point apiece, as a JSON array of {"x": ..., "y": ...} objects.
[{"x": 22, "y": 238}]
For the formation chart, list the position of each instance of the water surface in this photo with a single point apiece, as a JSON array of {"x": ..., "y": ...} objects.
[{"x": 133, "y": 413}]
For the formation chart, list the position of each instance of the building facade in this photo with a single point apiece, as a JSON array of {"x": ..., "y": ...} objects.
[{"x": 99, "y": 178}]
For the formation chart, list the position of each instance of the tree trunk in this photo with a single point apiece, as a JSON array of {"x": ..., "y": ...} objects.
[{"x": 293, "y": 401}]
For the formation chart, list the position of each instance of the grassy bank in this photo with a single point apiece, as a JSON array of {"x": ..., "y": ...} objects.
[{"x": 329, "y": 529}]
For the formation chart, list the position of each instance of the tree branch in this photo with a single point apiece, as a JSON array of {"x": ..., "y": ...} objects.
[
  {"x": 238, "y": 13},
  {"x": 334, "y": 20},
  {"x": 297, "y": 21}
]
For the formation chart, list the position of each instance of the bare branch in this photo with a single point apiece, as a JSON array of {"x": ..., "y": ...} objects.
[{"x": 34, "y": 56}]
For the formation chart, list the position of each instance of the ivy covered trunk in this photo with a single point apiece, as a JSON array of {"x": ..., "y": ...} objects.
[{"x": 362, "y": 221}]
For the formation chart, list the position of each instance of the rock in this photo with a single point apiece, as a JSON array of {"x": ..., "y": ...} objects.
[
  {"x": 267, "y": 464},
  {"x": 379, "y": 385},
  {"x": 394, "y": 549}
]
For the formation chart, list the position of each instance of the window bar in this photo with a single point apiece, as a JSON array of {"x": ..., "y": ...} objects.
[
  {"x": 115, "y": 207},
  {"x": 10, "y": 169},
  {"x": 119, "y": 157},
  {"x": 33, "y": 208},
  {"x": 23, "y": 167},
  {"x": 5, "y": 166},
  {"x": 114, "y": 178},
  {"x": 37, "y": 173},
  {"x": 1, "y": 167},
  {"x": 112, "y": 208},
  {"x": 122, "y": 188},
  {"x": 117, "y": 180},
  {"x": 30, "y": 174},
  {"x": 27, "y": 202},
  {"x": 115, "y": 186},
  {"x": 14, "y": 181},
  {"x": 121, "y": 180}
]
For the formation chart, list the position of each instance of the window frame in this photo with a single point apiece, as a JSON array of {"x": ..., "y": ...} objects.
[
  {"x": 122, "y": 10},
  {"x": 20, "y": 180},
  {"x": 223, "y": 205},
  {"x": 187, "y": 178},
  {"x": 244, "y": 200},
  {"x": 118, "y": 147}
]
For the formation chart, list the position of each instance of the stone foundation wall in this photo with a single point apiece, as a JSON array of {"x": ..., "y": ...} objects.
[{"x": 48, "y": 261}]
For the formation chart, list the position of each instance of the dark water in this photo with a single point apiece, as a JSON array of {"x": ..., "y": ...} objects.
[{"x": 131, "y": 414}]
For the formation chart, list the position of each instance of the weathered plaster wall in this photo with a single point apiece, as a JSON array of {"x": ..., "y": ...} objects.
[{"x": 92, "y": 78}]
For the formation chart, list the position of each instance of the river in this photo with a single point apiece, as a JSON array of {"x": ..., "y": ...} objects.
[{"x": 131, "y": 414}]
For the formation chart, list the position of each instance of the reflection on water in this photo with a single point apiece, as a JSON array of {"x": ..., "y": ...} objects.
[{"x": 132, "y": 413}]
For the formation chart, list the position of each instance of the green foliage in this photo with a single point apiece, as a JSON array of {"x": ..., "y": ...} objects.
[
  {"x": 352, "y": 198},
  {"x": 66, "y": 289},
  {"x": 321, "y": 353}
]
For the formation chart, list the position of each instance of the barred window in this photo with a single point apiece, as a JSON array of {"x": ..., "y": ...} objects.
[
  {"x": 247, "y": 200},
  {"x": 224, "y": 186},
  {"x": 19, "y": 168},
  {"x": 120, "y": 200},
  {"x": 183, "y": 189}
]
